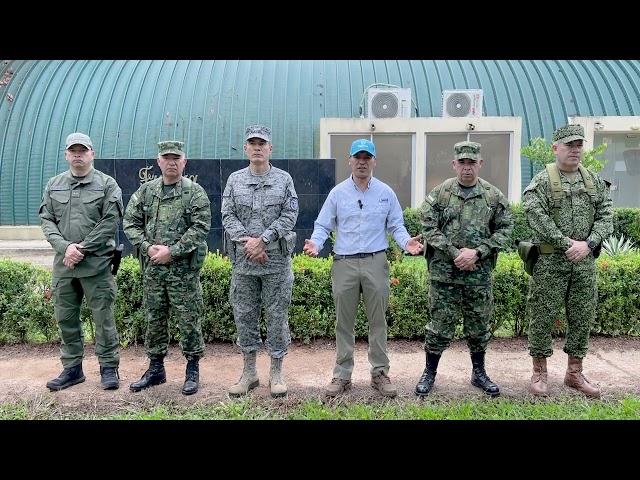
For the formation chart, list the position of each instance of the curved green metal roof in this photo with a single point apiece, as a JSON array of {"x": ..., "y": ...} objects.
[{"x": 127, "y": 106}]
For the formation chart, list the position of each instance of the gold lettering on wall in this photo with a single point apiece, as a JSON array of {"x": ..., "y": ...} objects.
[{"x": 145, "y": 175}]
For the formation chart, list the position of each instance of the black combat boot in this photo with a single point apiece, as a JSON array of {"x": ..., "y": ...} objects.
[
  {"x": 69, "y": 376},
  {"x": 155, "y": 375},
  {"x": 428, "y": 376},
  {"x": 479, "y": 377},
  {"x": 109, "y": 378},
  {"x": 192, "y": 376}
]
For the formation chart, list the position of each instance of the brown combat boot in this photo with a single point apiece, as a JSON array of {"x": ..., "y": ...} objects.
[
  {"x": 382, "y": 383},
  {"x": 337, "y": 386},
  {"x": 539, "y": 378},
  {"x": 575, "y": 379}
]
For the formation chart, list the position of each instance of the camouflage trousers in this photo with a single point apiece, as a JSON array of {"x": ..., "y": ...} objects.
[
  {"x": 558, "y": 283},
  {"x": 100, "y": 292},
  {"x": 450, "y": 301},
  {"x": 248, "y": 294},
  {"x": 173, "y": 287}
]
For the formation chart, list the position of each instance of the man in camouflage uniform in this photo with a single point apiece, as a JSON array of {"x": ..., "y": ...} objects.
[
  {"x": 168, "y": 220},
  {"x": 259, "y": 211},
  {"x": 466, "y": 222},
  {"x": 568, "y": 229},
  {"x": 79, "y": 214}
]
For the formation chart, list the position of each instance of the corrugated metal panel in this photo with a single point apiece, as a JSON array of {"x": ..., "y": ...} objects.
[{"x": 128, "y": 106}]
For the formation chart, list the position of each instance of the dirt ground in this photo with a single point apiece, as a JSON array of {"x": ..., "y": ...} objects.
[{"x": 612, "y": 364}]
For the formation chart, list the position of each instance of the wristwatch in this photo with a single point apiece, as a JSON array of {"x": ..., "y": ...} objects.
[
  {"x": 592, "y": 245},
  {"x": 478, "y": 254},
  {"x": 265, "y": 239}
]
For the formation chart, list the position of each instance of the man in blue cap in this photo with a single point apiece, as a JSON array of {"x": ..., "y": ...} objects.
[{"x": 361, "y": 210}]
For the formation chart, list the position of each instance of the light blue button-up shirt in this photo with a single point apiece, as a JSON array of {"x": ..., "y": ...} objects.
[{"x": 360, "y": 219}]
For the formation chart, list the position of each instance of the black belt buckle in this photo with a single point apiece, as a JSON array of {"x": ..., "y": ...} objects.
[{"x": 355, "y": 255}]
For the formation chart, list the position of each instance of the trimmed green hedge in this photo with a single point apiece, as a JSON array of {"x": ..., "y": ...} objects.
[
  {"x": 625, "y": 221},
  {"x": 25, "y": 315}
]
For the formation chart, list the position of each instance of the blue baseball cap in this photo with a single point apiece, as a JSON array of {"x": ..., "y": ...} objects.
[{"x": 363, "y": 145}]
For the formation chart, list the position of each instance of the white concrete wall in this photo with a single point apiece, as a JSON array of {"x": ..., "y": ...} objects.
[{"x": 419, "y": 127}]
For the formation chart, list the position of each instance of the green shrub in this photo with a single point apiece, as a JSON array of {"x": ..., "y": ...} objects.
[
  {"x": 521, "y": 229},
  {"x": 26, "y": 316},
  {"x": 626, "y": 221},
  {"x": 128, "y": 307},
  {"x": 618, "y": 295}
]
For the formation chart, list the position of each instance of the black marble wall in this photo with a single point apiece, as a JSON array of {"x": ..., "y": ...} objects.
[{"x": 313, "y": 180}]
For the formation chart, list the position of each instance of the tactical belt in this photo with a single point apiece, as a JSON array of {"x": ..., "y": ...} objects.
[
  {"x": 356, "y": 255},
  {"x": 548, "y": 248}
]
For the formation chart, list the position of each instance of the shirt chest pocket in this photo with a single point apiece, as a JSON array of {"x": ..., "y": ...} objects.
[
  {"x": 92, "y": 196},
  {"x": 92, "y": 203},
  {"x": 382, "y": 208},
  {"x": 59, "y": 201},
  {"x": 244, "y": 200},
  {"x": 272, "y": 204}
]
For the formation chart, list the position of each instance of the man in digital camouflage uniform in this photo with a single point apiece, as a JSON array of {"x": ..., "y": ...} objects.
[
  {"x": 79, "y": 214},
  {"x": 168, "y": 220},
  {"x": 259, "y": 211},
  {"x": 568, "y": 229},
  {"x": 466, "y": 222}
]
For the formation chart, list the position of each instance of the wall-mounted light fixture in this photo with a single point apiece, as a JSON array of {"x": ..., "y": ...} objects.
[
  {"x": 471, "y": 126},
  {"x": 598, "y": 126}
]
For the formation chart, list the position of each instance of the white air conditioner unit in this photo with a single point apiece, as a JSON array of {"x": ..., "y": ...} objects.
[
  {"x": 389, "y": 103},
  {"x": 462, "y": 103}
]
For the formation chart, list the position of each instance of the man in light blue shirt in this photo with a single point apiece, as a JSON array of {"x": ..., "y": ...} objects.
[{"x": 361, "y": 210}]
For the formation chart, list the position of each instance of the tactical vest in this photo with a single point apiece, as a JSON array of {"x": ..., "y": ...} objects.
[
  {"x": 444, "y": 196},
  {"x": 557, "y": 194},
  {"x": 488, "y": 193}
]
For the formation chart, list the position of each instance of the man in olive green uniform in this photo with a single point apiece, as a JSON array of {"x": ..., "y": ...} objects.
[
  {"x": 466, "y": 222},
  {"x": 79, "y": 214},
  {"x": 168, "y": 220},
  {"x": 570, "y": 222},
  {"x": 259, "y": 211}
]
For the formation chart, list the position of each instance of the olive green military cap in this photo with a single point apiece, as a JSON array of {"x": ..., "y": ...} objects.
[
  {"x": 469, "y": 150},
  {"x": 171, "y": 146},
  {"x": 568, "y": 133}
]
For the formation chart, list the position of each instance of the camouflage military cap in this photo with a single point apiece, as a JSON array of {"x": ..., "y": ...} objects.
[
  {"x": 568, "y": 133},
  {"x": 171, "y": 146},
  {"x": 78, "y": 138},
  {"x": 257, "y": 131},
  {"x": 469, "y": 150}
]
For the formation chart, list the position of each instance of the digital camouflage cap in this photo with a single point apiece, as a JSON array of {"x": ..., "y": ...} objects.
[
  {"x": 171, "y": 146},
  {"x": 258, "y": 131},
  {"x": 469, "y": 150},
  {"x": 568, "y": 133}
]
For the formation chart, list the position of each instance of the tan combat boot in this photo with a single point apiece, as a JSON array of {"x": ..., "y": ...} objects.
[
  {"x": 539, "y": 378},
  {"x": 575, "y": 379},
  {"x": 382, "y": 383},
  {"x": 337, "y": 387},
  {"x": 249, "y": 379},
  {"x": 276, "y": 380}
]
